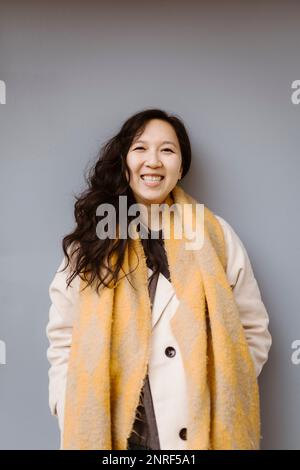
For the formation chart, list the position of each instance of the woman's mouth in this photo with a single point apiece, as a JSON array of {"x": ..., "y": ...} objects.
[{"x": 152, "y": 180}]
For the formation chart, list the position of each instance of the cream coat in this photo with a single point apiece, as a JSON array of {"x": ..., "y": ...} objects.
[{"x": 166, "y": 375}]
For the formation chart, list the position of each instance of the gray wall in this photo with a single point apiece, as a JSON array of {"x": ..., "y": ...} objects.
[{"x": 73, "y": 72}]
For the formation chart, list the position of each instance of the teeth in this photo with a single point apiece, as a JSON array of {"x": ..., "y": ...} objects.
[{"x": 152, "y": 178}]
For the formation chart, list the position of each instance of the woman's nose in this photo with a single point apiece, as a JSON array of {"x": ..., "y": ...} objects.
[{"x": 153, "y": 160}]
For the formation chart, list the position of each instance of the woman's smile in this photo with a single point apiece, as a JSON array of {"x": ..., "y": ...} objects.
[{"x": 152, "y": 180}]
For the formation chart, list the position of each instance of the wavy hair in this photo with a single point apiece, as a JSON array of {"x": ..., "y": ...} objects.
[{"x": 106, "y": 181}]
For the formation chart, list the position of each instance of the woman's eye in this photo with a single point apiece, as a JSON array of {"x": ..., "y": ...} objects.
[{"x": 143, "y": 148}]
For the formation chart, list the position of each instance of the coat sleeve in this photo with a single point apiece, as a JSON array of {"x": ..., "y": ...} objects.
[
  {"x": 59, "y": 333},
  {"x": 253, "y": 314}
]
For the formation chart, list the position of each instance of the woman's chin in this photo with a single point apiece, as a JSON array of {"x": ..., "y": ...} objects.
[{"x": 148, "y": 198}]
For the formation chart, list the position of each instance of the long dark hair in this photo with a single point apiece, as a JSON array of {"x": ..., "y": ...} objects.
[{"x": 106, "y": 181}]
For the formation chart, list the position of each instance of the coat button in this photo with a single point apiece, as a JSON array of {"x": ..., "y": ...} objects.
[
  {"x": 170, "y": 351},
  {"x": 182, "y": 434}
]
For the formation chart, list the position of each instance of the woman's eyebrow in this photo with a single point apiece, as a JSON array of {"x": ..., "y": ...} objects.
[{"x": 164, "y": 142}]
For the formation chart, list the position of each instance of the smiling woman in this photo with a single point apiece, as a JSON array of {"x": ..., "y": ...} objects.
[
  {"x": 149, "y": 143},
  {"x": 167, "y": 355}
]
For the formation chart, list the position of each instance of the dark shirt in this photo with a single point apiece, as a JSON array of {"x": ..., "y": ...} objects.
[{"x": 144, "y": 432}]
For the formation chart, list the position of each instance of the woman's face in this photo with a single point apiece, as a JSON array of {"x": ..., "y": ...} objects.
[{"x": 156, "y": 153}]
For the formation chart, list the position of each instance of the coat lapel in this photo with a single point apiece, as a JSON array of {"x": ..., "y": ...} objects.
[{"x": 163, "y": 294}]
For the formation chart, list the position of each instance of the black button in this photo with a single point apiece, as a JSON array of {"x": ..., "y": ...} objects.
[
  {"x": 182, "y": 434},
  {"x": 170, "y": 352}
]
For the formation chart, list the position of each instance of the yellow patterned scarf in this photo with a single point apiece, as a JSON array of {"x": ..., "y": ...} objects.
[{"x": 110, "y": 350}]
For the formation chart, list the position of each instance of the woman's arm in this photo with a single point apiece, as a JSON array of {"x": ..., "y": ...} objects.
[
  {"x": 59, "y": 333},
  {"x": 253, "y": 314}
]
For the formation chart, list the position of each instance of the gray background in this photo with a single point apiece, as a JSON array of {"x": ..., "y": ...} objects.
[{"x": 74, "y": 71}]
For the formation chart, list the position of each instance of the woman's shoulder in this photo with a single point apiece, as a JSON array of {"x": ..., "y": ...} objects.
[
  {"x": 60, "y": 285},
  {"x": 236, "y": 253},
  {"x": 226, "y": 226},
  {"x": 232, "y": 239}
]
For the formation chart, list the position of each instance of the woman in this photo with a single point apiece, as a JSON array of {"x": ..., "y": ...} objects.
[{"x": 153, "y": 345}]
